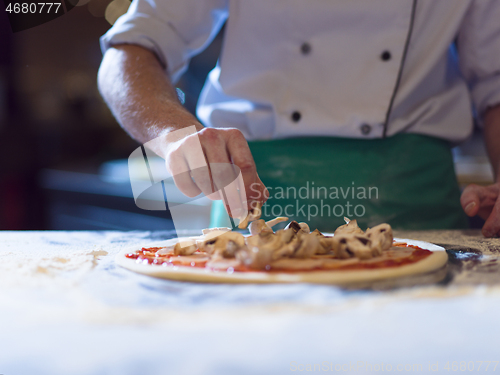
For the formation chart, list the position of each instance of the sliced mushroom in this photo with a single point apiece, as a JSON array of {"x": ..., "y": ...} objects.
[
  {"x": 352, "y": 245},
  {"x": 273, "y": 243},
  {"x": 243, "y": 223},
  {"x": 277, "y": 220},
  {"x": 322, "y": 248},
  {"x": 283, "y": 243},
  {"x": 328, "y": 243},
  {"x": 207, "y": 242},
  {"x": 259, "y": 239},
  {"x": 289, "y": 243},
  {"x": 225, "y": 244},
  {"x": 187, "y": 247},
  {"x": 307, "y": 247},
  {"x": 259, "y": 226},
  {"x": 316, "y": 232},
  {"x": 165, "y": 250},
  {"x": 231, "y": 249},
  {"x": 253, "y": 215},
  {"x": 289, "y": 247},
  {"x": 213, "y": 234},
  {"x": 381, "y": 237},
  {"x": 305, "y": 228},
  {"x": 293, "y": 225},
  {"x": 286, "y": 250},
  {"x": 254, "y": 257},
  {"x": 286, "y": 235},
  {"x": 350, "y": 228}
]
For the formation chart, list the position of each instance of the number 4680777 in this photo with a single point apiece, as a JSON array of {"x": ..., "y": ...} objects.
[{"x": 33, "y": 7}]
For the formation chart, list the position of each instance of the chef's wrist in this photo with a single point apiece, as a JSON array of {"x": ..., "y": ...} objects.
[{"x": 167, "y": 136}]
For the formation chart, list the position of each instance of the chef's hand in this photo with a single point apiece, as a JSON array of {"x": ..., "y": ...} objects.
[
  {"x": 210, "y": 168},
  {"x": 485, "y": 202},
  {"x": 133, "y": 82}
]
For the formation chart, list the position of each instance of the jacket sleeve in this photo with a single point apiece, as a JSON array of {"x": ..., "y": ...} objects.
[
  {"x": 175, "y": 30},
  {"x": 478, "y": 46}
]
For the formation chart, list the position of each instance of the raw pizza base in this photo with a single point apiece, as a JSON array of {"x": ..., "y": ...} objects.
[{"x": 185, "y": 273}]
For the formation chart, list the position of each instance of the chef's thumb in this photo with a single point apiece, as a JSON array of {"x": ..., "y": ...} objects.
[{"x": 470, "y": 199}]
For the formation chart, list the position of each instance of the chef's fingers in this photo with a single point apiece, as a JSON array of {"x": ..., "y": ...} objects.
[
  {"x": 479, "y": 200},
  {"x": 223, "y": 172},
  {"x": 199, "y": 168},
  {"x": 234, "y": 194},
  {"x": 258, "y": 191},
  {"x": 491, "y": 227},
  {"x": 265, "y": 192},
  {"x": 177, "y": 165},
  {"x": 242, "y": 157}
]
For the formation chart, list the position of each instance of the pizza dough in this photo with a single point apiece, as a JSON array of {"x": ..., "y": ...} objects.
[{"x": 434, "y": 261}]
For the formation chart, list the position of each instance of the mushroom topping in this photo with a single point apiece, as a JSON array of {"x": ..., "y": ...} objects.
[
  {"x": 208, "y": 240},
  {"x": 323, "y": 248},
  {"x": 187, "y": 247},
  {"x": 259, "y": 239},
  {"x": 307, "y": 247},
  {"x": 165, "y": 250},
  {"x": 288, "y": 244},
  {"x": 294, "y": 247},
  {"x": 352, "y": 245},
  {"x": 272, "y": 243},
  {"x": 276, "y": 220},
  {"x": 298, "y": 228},
  {"x": 225, "y": 244},
  {"x": 381, "y": 237},
  {"x": 253, "y": 215},
  {"x": 287, "y": 250},
  {"x": 293, "y": 225},
  {"x": 327, "y": 244},
  {"x": 305, "y": 228},
  {"x": 254, "y": 257},
  {"x": 212, "y": 235},
  {"x": 351, "y": 227},
  {"x": 317, "y": 233},
  {"x": 259, "y": 226},
  {"x": 231, "y": 249},
  {"x": 279, "y": 244},
  {"x": 286, "y": 235}
]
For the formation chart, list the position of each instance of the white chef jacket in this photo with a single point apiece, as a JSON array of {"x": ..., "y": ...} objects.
[{"x": 348, "y": 68}]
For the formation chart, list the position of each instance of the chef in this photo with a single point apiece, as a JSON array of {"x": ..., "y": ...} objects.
[{"x": 328, "y": 108}]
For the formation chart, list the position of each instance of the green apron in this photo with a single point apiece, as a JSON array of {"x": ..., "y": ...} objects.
[{"x": 407, "y": 180}]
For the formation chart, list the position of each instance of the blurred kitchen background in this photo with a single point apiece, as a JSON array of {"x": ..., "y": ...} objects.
[{"x": 63, "y": 157}]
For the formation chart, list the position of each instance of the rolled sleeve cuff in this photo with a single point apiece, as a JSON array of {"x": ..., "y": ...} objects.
[{"x": 153, "y": 35}]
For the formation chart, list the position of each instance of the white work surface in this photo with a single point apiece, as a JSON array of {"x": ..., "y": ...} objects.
[{"x": 66, "y": 308}]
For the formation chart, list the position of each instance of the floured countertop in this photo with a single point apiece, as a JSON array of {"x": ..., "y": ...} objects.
[{"x": 66, "y": 308}]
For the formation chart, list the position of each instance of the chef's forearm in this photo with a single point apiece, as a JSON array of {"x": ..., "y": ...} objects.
[
  {"x": 492, "y": 138},
  {"x": 139, "y": 93}
]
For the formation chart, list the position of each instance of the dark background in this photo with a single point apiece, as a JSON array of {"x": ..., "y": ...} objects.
[{"x": 56, "y": 132}]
